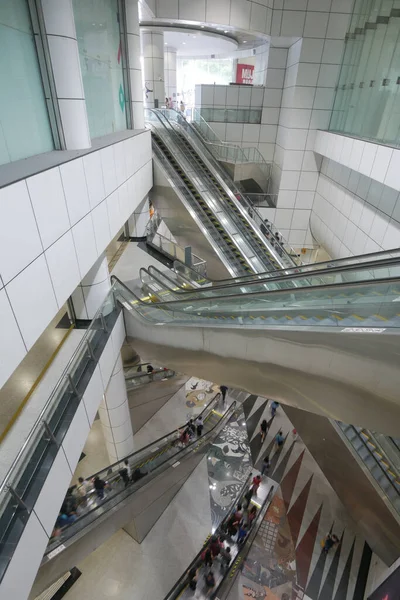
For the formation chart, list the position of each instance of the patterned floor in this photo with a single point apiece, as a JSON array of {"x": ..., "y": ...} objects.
[
  {"x": 228, "y": 464},
  {"x": 286, "y": 561}
]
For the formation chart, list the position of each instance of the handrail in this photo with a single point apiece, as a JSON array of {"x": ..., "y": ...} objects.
[
  {"x": 246, "y": 208},
  {"x": 305, "y": 289},
  {"x": 284, "y": 278},
  {"x": 206, "y": 226},
  {"x": 249, "y": 242},
  {"x": 181, "y": 581},
  {"x": 230, "y": 410},
  {"x": 246, "y": 546},
  {"x": 376, "y": 461},
  {"x": 312, "y": 267},
  {"x": 157, "y": 441},
  {"x": 38, "y": 421}
]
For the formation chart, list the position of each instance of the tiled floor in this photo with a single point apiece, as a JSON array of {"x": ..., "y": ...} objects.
[
  {"x": 286, "y": 560},
  {"x": 121, "y": 568}
]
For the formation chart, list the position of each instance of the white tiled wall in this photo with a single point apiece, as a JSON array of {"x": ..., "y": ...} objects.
[
  {"x": 30, "y": 549},
  {"x": 54, "y": 226},
  {"x": 354, "y": 214},
  {"x": 372, "y": 160}
]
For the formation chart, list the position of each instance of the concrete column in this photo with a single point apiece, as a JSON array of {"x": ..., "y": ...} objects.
[
  {"x": 90, "y": 293},
  {"x": 115, "y": 416},
  {"x": 170, "y": 74},
  {"x": 61, "y": 37},
  {"x": 138, "y": 220},
  {"x": 135, "y": 69},
  {"x": 153, "y": 65}
]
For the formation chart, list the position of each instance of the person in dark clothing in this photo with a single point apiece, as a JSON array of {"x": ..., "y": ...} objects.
[
  {"x": 137, "y": 474},
  {"x": 263, "y": 429},
  {"x": 265, "y": 465},
  {"x": 199, "y": 425},
  {"x": 248, "y": 495},
  {"x": 192, "y": 578},
  {"x": 150, "y": 369},
  {"x": 330, "y": 542},
  {"x": 243, "y": 531},
  {"x": 207, "y": 557},
  {"x": 99, "y": 486},
  {"x": 210, "y": 580},
  {"x": 223, "y": 389}
]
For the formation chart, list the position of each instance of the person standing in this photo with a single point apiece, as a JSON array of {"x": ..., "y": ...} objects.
[
  {"x": 182, "y": 107},
  {"x": 330, "y": 542},
  {"x": 263, "y": 430},
  {"x": 226, "y": 557},
  {"x": 199, "y": 425},
  {"x": 99, "y": 486},
  {"x": 223, "y": 389},
  {"x": 279, "y": 439},
  {"x": 256, "y": 484},
  {"x": 265, "y": 465},
  {"x": 242, "y": 534},
  {"x": 274, "y": 408}
]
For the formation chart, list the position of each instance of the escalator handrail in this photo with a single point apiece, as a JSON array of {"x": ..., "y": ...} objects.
[
  {"x": 374, "y": 457},
  {"x": 305, "y": 289},
  {"x": 281, "y": 279},
  {"x": 155, "y": 442},
  {"x": 227, "y": 255},
  {"x": 238, "y": 500},
  {"x": 373, "y": 262},
  {"x": 244, "y": 550},
  {"x": 230, "y": 410},
  {"x": 202, "y": 173},
  {"x": 217, "y": 167}
]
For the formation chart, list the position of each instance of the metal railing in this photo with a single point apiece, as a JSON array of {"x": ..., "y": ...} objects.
[
  {"x": 22, "y": 484},
  {"x": 171, "y": 248},
  {"x": 274, "y": 237}
]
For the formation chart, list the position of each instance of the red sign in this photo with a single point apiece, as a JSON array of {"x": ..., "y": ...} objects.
[{"x": 244, "y": 73}]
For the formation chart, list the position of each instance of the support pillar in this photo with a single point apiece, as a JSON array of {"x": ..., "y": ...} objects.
[
  {"x": 135, "y": 69},
  {"x": 90, "y": 293},
  {"x": 60, "y": 29},
  {"x": 170, "y": 75},
  {"x": 153, "y": 66},
  {"x": 115, "y": 416}
]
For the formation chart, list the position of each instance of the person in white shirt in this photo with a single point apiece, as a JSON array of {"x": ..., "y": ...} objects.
[{"x": 199, "y": 425}]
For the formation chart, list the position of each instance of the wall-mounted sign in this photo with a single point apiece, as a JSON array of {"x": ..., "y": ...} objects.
[{"x": 244, "y": 73}]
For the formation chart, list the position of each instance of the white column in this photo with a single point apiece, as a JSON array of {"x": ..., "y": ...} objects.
[
  {"x": 135, "y": 69},
  {"x": 138, "y": 220},
  {"x": 90, "y": 293},
  {"x": 153, "y": 66},
  {"x": 170, "y": 74},
  {"x": 61, "y": 37},
  {"x": 115, "y": 416}
]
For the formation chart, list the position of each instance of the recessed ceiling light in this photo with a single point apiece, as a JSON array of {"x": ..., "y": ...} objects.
[
  {"x": 184, "y": 43},
  {"x": 165, "y": 43},
  {"x": 244, "y": 41},
  {"x": 226, "y": 31},
  {"x": 202, "y": 26}
]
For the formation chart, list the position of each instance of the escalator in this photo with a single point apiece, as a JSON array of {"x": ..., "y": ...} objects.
[
  {"x": 322, "y": 339},
  {"x": 173, "y": 286},
  {"x": 228, "y": 225},
  {"x": 157, "y": 472}
]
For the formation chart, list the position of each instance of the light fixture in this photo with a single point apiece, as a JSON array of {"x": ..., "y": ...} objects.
[
  {"x": 226, "y": 31},
  {"x": 202, "y": 26},
  {"x": 165, "y": 43},
  {"x": 184, "y": 43},
  {"x": 244, "y": 41}
]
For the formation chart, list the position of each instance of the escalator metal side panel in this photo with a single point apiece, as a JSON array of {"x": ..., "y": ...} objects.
[
  {"x": 373, "y": 515},
  {"x": 137, "y": 513},
  {"x": 320, "y": 370}
]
